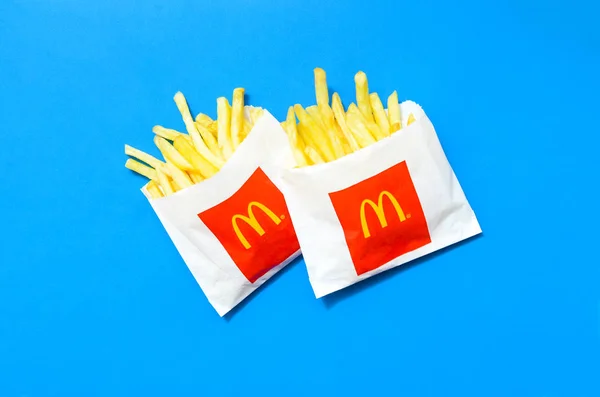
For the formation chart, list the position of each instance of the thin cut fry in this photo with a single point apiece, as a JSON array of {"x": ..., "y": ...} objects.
[
  {"x": 209, "y": 139},
  {"x": 314, "y": 134},
  {"x": 292, "y": 132},
  {"x": 371, "y": 126},
  {"x": 224, "y": 132},
  {"x": 379, "y": 113},
  {"x": 171, "y": 154},
  {"x": 166, "y": 133},
  {"x": 237, "y": 117},
  {"x": 145, "y": 157},
  {"x": 191, "y": 129},
  {"x": 314, "y": 112},
  {"x": 330, "y": 132},
  {"x": 359, "y": 129},
  {"x": 178, "y": 176},
  {"x": 312, "y": 156},
  {"x": 165, "y": 184},
  {"x": 340, "y": 116},
  {"x": 214, "y": 128},
  {"x": 204, "y": 120},
  {"x": 362, "y": 96},
  {"x": 411, "y": 119},
  {"x": 154, "y": 190},
  {"x": 196, "y": 177},
  {"x": 175, "y": 185},
  {"x": 201, "y": 165},
  {"x": 394, "y": 112},
  {"x": 322, "y": 94},
  {"x": 342, "y": 138},
  {"x": 141, "y": 169},
  {"x": 321, "y": 87}
]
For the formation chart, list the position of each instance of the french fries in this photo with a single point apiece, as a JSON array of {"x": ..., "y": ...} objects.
[
  {"x": 326, "y": 132},
  {"x": 141, "y": 169},
  {"x": 224, "y": 125},
  {"x": 154, "y": 190},
  {"x": 237, "y": 117},
  {"x": 394, "y": 112},
  {"x": 192, "y": 157}
]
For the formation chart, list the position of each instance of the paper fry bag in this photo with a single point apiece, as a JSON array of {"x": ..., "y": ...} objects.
[
  {"x": 234, "y": 230},
  {"x": 377, "y": 208}
]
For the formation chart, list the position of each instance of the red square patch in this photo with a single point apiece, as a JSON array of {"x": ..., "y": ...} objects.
[
  {"x": 382, "y": 218},
  {"x": 254, "y": 226}
]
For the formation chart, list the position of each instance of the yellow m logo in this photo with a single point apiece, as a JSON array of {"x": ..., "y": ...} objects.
[
  {"x": 252, "y": 222},
  {"x": 378, "y": 208}
]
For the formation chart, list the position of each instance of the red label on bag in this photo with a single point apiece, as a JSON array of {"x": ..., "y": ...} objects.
[
  {"x": 382, "y": 218},
  {"x": 254, "y": 226}
]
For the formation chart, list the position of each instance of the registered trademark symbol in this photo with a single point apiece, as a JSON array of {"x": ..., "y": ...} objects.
[
  {"x": 408, "y": 216},
  {"x": 282, "y": 217}
]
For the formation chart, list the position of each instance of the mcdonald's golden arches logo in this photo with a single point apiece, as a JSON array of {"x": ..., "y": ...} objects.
[
  {"x": 378, "y": 208},
  {"x": 252, "y": 222},
  {"x": 254, "y": 226},
  {"x": 381, "y": 217}
]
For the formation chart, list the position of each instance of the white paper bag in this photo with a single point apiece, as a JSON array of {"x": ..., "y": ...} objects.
[
  {"x": 233, "y": 230},
  {"x": 377, "y": 208}
]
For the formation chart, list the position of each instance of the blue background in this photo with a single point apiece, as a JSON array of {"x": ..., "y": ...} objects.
[{"x": 95, "y": 300}]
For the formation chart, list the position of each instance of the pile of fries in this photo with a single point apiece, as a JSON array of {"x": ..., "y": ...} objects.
[
  {"x": 193, "y": 157},
  {"x": 327, "y": 132}
]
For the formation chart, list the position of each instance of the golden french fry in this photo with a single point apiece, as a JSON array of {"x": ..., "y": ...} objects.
[
  {"x": 255, "y": 114},
  {"x": 224, "y": 132},
  {"x": 204, "y": 120},
  {"x": 394, "y": 112},
  {"x": 330, "y": 132},
  {"x": 141, "y": 169},
  {"x": 196, "y": 177},
  {"x": 183, "y": 108},
  {"x": 321, "y": 87},
  {"x": 237, "y": 117},
  {"x": 362, "y": 96},
  {"x": 292, "y": 133},
  {"x": 314, "y": 134},
  {"x": 175, "y": 185},
  {"x": 166, "y": 133},
  {"x": 340, "y": 116},
  {"x": 358, "y": 128},
  {"x": 322, "y": 94},
  {"x": 411, "y": 119},
  {"x": 342, "y": 138},
  {"x": 314, "y": 112},
  {"x": 201, "y": 165},
  {"x": 311, "y": 155},
  {"x": 178, "y": 175},
  {"x": 165, "y": 184},
  {"x": 190, "y": 126},
  {"x": 379, "y": 113},
  {"x": 209, "y": 139},
  {"x": 154, "y": 190},
  {"x": 145, "y": 157},
  {"x": 371, "y": 126},
  {"x": 171, "y": 154},
  {"x": 214, "y": 128}
]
